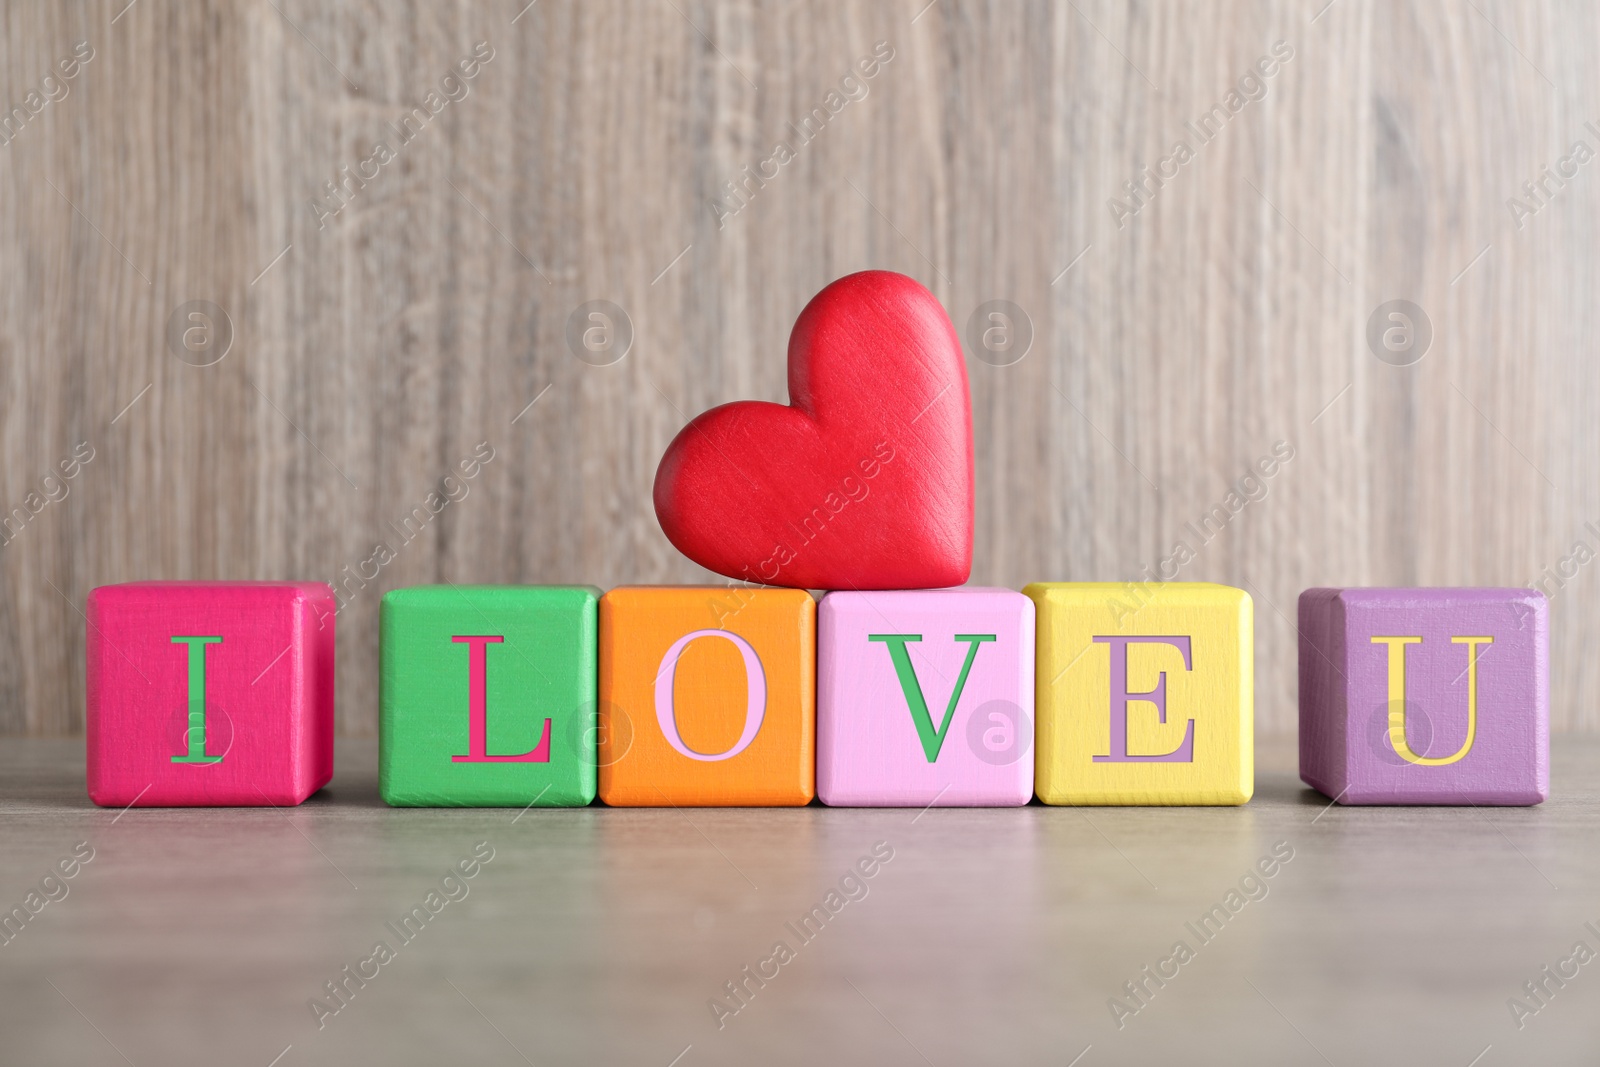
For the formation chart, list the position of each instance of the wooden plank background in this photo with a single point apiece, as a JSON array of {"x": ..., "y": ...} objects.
[{"x": 374, "y": 349}]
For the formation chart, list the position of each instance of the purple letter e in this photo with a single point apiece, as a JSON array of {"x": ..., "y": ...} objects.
[{"x": 1156, "y": 696}]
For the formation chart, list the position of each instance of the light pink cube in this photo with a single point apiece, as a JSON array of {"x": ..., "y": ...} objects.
[
  {"x": 925, "y": 697},
  {"x": 209, "y": 693}
]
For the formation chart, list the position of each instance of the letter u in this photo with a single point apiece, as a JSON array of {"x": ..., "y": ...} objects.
[{"x": 1397, "y": 698}]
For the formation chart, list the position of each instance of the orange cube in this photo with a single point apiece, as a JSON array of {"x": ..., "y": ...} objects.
[{"x": 707, "y": 696}]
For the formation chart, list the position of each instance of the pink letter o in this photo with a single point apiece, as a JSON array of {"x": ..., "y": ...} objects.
[{"x": 755, "y": 701}]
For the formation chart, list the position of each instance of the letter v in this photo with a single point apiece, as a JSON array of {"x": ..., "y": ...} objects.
[{"x": 932, "y": 740}]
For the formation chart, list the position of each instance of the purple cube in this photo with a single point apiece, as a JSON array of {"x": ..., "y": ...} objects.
[{"x": 1425, "y": 696}]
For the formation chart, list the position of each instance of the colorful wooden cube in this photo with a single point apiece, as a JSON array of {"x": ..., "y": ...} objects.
[
  {"x": 707, "y": 696},
  {"x": 1425, "y": 696},
  {"x": 1144, "y": 693},
  {"x": 209, "y": 693},
  {"x": 488, "y": 696},
  {"x": 925, "y": 697}
]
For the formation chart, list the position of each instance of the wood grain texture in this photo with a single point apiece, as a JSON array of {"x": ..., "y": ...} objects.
[
  {"x": 1171, "y": 348},
  {"x": 597, "y": 936}
]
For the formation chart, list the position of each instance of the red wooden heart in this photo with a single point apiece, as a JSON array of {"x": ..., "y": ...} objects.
[{"x": 864, "y": 481}]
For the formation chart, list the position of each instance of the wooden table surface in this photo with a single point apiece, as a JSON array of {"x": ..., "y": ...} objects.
[{"x": 599, "y": 936}]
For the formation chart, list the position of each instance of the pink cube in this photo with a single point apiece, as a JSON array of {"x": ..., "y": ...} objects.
[
  {"x": 925, "y": 697},
  {"x": 209, "y": 693}
]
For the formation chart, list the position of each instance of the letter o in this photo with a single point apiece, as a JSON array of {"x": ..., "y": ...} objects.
[{"x": 755, "y": 700}]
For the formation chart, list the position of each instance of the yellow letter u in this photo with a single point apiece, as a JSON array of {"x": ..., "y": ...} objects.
[{"x": 1397, "y": 697}]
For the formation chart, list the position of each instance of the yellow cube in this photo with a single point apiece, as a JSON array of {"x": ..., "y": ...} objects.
[{"x": 1145, "y": 693}]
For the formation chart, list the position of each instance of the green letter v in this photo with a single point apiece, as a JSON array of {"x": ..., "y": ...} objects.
[{"x": 932, "y": 740}]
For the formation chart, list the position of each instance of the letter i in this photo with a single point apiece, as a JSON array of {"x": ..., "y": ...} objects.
[{"x": 197, "y": 700}]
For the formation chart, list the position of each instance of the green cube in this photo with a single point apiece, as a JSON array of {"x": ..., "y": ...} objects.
[{"x": 488, "y": 696}]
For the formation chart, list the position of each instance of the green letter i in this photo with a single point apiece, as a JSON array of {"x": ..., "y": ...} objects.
[{"x": 197, "y": 699}]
